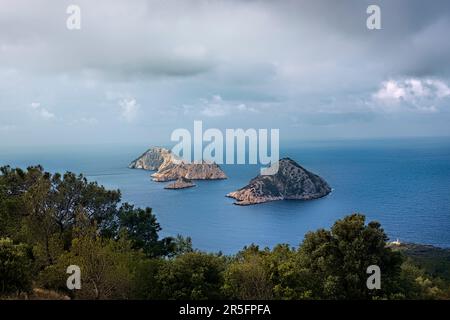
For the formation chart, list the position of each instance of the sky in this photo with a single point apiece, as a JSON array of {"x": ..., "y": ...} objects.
[{"x": 137, "y": 70}]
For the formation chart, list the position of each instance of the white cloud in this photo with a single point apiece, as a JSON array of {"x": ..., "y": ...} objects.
[
  {"x": 216, "y": 106},
  {"x": 85, "y": 121},
  {"x": 423, "y": 95},
  {"x": 214, "y": 111},
  {"x": 245, "y": 108},
  {"x": 129, "y": 109},
  {"x": 35, "y": 105},
  {"x": 442, "y": 90},
  {"x": 46, "y": 114},
  {"x": 41, "y": 111}
]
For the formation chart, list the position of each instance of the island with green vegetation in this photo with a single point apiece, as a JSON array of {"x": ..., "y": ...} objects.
[{"x": 51, "y": 221}]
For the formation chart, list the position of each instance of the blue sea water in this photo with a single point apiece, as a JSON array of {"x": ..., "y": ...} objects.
[{"x": 404, "y": 184}]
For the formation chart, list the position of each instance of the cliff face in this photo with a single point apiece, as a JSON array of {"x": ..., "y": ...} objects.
[
  {"x": 152, "y": 159},
  {"x": 291, "y": 182},
  {"x": 192, "y": 171},
  {"x": 170, "y": 167}
]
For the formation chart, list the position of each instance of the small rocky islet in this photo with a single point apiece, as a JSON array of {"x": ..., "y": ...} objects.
[
  {"x": 180, "y": 183},
  {"x": 290, "y": 182}
]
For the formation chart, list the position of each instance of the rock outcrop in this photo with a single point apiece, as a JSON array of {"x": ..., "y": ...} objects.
[
  {"x": 152, "y": 159},
  {"x": 291, "y": 182},
  {"x": 180, "y": 183},
  {"x": 192, "y": 171},
  {"x": 169, "y": 167}
]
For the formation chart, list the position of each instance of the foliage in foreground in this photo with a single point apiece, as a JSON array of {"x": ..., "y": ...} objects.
[{"x": 48, "y": 222}]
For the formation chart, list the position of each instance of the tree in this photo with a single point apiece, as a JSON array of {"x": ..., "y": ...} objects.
[
  {"x": 194, "y": 275},
  {"x": 416, "y": 284},
  {"x": 146, "y": 283},
  {"x": 180, "y": 245},
  {"x": 291, "y": 279},
  {"x": 40, "y": 225},
  {"x": 107, "y": 268},
  {"x": 40, "y": 208},
  {"x": 71, "y": 192},
  {"x": 141, "y": 228},
  {"x": 9, "y": 221},
  {"x": 15, "y": 267},
  {"x": 248, "y": 276},
  {"x": 13, "y": 185},
  {"x": 337, "y": 260}
]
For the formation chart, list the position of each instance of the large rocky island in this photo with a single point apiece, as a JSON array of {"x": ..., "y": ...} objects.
[
  {"x": 169, "y": 167},
  {"x": 291, "y": 182}
]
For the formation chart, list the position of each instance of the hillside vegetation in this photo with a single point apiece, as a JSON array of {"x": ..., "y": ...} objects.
[{"x": 50, "y": 221}]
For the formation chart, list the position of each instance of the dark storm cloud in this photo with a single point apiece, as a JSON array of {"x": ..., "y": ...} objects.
[
  {"x": 278, "y": 60},
  {"x": 180, "y": 38},
  {"x": 414, "y": 36}
]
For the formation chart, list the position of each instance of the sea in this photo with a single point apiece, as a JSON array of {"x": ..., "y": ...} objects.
[{"x": 402, "y": 183}]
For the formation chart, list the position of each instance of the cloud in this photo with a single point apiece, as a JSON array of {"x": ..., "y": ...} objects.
[
  {"x": 41, "y": 111},
  {"x": 313, "y": 59},
  {"x": 415, "y": 94},
  {"x": 85, "y": 121},
  {"x": 35, "y": 105},
  {"x": 129, "y": 109},
  {"x": 216, "y": 106},
  {"x": 162, "y": 45},
  {"x": 442, "y": 90},
  {"x": 198, "y": 37},
  {"x": 46, "y": 114},
  {"x": 7, "y": 127},
  {"x": 245, "y": 108}
]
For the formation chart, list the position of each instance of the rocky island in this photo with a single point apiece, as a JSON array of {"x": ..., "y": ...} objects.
[
  {"x": 169, "y": 167},
  {"x": 291, "y": 182},
  {"x": 192, "y": 171},
  {"x": 152, "y": 159},
  {"x": 180, "y": 183}
]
